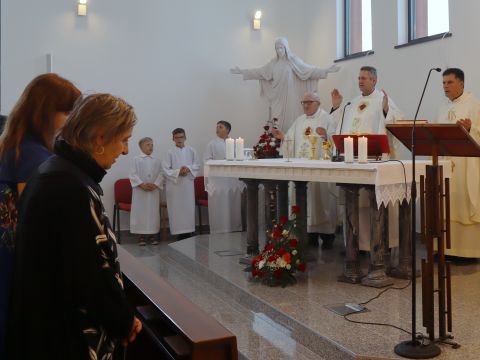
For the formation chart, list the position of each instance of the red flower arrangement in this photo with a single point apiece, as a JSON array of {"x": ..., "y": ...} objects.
[
  {"x": 268, "y": 146},
  {"x": 280, "y": 258}
]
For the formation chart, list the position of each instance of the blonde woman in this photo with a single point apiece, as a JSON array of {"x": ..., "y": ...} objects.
[{"x": 67, "y": 299}]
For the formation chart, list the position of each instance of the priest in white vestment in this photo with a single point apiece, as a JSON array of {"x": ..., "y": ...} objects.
[
  {"x": 368, "y": 113},
  {"x": 146, "y": 179},
  {"x": 284, "y": 80},
  {"x": 224, "y": 194},
  {"x": 180, "y": 168},
  {"x": 463, "y": 108},
  {"x": 321, "y": 197}
]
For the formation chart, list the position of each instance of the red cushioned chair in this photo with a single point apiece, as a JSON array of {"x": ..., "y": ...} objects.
[
  {"x": 201, "y": 197},
  {"x": 123, "y": 201}
]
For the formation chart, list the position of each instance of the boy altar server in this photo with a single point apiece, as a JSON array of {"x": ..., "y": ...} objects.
[
  {"x": 180, "y": 168},
  {"x": 224, "y": 194},
  {"x": 146, "y": 179}
]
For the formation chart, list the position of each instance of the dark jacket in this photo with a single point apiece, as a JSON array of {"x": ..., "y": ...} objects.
[{"x": 67, "y": 297}]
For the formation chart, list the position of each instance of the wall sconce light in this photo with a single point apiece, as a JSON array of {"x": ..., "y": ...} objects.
[
  {"x": 256, "y": 20},
  {"x": 82, "y": 8}
]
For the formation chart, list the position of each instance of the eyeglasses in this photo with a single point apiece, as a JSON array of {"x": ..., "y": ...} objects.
[
  {"x": 308, "y": 102},
  {"x": 178, "y": 137}
]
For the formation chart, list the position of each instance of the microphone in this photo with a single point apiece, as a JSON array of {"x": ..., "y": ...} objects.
[
  {"x": 413, "y": 220},
  {"x": 343, "y": 115},
  {"x": 424, "y": 88},
  {"x": 338, "y": 157}
]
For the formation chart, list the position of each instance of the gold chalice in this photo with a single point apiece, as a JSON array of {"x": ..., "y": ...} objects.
[
  {"x": 313, "y": 141},
  {"x": 327, "y": 148}
]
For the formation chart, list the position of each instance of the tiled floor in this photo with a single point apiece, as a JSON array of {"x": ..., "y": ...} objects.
[{"x": 293, "y": 323}]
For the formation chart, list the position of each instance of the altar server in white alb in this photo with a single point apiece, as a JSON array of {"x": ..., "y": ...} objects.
[
  {"x": 321, "y": 197},
  {"x": 146, "y": 179},
  {"x": 464, "y": 109},
  {"x": 368, "y": 113},
  {"x": 224, "y": 194},
  {"x": 180, "y": 168}
]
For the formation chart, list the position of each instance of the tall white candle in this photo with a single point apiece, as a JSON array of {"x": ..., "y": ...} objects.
[
  {"x": 230, "y": 149},
  {"x": 363, "y": 150},
  {"x": 348, "y": 149},
  {"x": 239, "y": 149}
]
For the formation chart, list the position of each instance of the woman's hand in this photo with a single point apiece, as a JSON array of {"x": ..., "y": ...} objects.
[{"x": 136, "y": 328}]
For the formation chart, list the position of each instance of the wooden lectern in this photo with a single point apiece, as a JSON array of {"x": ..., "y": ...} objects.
[{"x": 436, "y": 140}]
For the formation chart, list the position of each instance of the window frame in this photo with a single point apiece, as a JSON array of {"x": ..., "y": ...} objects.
[
  {"x": 346, "y": 28},
  {"x": 411, "y": 40},
  {"x": 347, "y": 38}
]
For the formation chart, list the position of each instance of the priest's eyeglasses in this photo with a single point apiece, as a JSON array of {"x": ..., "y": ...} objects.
[{"x": 308, "y": 102}]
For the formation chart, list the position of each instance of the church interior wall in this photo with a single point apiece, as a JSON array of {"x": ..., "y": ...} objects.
[
  {"x": 171, "y": 60},
  {"x": 402, "y": 72}
]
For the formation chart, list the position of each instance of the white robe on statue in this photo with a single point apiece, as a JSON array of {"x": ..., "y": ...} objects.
[
  {"x": 465, "y": 181},
  {"x": 224, "y": 195},
  {"x": 180, "y": 191},
  {"x": 321, "y": 197},
  {"x": 365, "y": 116},
  {"x": 283, "y": 81},
  {"x": 145, "y": 212}
]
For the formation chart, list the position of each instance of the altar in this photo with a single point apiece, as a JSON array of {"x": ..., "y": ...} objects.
[{"x": 386, "y": 182}]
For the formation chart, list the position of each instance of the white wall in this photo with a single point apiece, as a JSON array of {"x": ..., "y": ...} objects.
[
  {"x": 402, "y": 72},
  {"x": 170, "y": 59}
]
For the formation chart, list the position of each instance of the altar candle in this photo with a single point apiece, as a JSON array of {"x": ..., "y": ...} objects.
[
  {"x": 230, "y": 149},
  {"x": 239, "y": 149},
  {"x": 348, "y": 149},
  {"x": 363, "y": 150}
]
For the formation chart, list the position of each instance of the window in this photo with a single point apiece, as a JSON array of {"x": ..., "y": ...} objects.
[
  {"x": 357, "y": 26},
  {"x": 427, "y": 18}
]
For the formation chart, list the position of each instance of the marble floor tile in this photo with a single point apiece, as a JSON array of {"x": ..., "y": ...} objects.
[{"x": 295, "y": 316}]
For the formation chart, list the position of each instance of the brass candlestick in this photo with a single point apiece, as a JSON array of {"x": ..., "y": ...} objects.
[{"x": 313, "y": 141}]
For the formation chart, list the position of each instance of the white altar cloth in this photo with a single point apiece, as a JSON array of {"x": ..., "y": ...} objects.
[{"x": 392, "y": 179}]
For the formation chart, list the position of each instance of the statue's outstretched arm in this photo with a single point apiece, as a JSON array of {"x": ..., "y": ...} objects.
[
  {"x": 261, "y": 73},
  {"x": 318, "y": 73},
  {"x": 333, "y": 69},
  {"x": 236, "y": 70}
]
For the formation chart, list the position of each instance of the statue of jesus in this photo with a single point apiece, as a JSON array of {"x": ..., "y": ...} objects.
[{"x": 284, "y": 80}]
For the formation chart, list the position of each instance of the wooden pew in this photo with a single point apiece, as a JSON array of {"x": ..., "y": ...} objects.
[{"x": 173, "y": 326}]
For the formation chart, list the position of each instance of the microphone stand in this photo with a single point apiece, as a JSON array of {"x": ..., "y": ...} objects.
[
  {"x": 414, "y": 348},
  {"x": 338, "y": 157}
]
